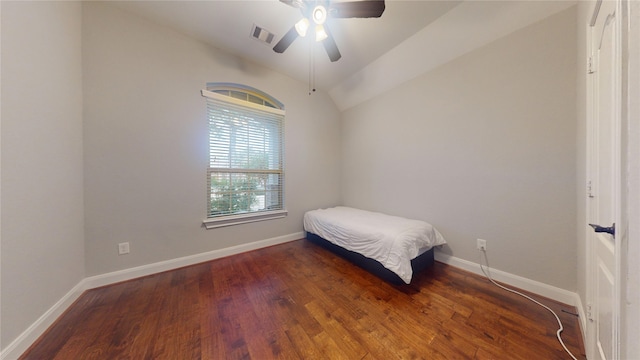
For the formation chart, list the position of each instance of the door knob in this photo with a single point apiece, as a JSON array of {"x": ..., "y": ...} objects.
[{"x": 602, "y": 229}]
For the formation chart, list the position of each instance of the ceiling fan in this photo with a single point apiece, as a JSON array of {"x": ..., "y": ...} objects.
[{"x": 315, "y": 12}]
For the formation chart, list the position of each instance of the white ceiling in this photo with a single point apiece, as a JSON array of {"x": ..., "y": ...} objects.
[{"x": 366, "y": 44}]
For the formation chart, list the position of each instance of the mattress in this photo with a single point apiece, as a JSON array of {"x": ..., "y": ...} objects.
[{"x": 391, "y": 240}]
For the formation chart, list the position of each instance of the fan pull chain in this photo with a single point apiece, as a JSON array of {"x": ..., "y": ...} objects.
[
  {"x": 312, "y": 67},
  {"x": 309, "y": 76}
]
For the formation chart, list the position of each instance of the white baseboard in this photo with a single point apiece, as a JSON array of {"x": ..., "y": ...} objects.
[
  {"x": 582, "y": 318},
  {"x": 144, "y": 270},
  {"x": 548, "y": 291},
  {"x": 33, "y": 332},
  {"x": 22, "y": 343}
]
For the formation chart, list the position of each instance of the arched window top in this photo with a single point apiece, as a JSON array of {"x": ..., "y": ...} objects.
[{"x": 246, "y": 93}]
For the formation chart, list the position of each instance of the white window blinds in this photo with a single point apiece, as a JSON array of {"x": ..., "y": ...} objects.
[{"x": 246, "y": 172}]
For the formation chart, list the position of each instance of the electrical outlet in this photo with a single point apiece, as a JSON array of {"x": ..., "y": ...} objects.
[
  {"x": 123, "y": 248},
  {"x": 482, "y": 244}
]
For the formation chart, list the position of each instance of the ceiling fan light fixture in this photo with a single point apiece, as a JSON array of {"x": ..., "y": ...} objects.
[
  {"x": 302, "y": 26},
  {"x": 319, "y": 14},
  {"x": 321, "y": 34},
  {"x": 317, "y": 11}
]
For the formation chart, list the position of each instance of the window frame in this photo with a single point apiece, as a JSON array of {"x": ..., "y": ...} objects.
[{"x": 229, "y": 93}]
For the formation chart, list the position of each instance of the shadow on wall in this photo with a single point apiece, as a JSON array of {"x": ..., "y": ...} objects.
[{"x": 237, "y": 63}]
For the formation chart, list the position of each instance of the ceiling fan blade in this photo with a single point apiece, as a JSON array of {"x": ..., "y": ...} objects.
[
  {"x": 331, "y": 47},
  {"x": 357, "y": 9},
  {"x": 298, "y": 4},
  {"x": 286, "y": 40}
]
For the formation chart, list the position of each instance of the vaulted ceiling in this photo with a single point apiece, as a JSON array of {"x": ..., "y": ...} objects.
[{"x": 410, "y": 38}]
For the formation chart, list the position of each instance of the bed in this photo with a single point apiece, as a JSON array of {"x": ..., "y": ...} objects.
[{"x": 391, "y": 247}]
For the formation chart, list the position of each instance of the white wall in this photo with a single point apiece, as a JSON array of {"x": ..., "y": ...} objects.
[
  {"x": 482, "y": 147},
  {"x": 42, "y": 198},
  {"x": 145, "y": 142}
]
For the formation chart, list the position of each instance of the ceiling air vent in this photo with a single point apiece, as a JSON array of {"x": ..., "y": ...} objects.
[{"x": 262, "y": 34}]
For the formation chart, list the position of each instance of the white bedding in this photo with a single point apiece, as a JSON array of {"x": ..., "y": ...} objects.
[{"x": 393, "y": 241}]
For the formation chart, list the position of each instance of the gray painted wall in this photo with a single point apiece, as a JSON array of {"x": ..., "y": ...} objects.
[
  {"x": 507, "y": 109},
  {"x": 42, "y": 197},
  {"x": 482, "y": 147},
  {"x": 146, "y": 138}
]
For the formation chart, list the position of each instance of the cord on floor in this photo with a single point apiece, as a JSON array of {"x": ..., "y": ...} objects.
[{"x": 561, "y": 328}]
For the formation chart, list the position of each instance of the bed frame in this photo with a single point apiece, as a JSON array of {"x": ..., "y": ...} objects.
[{"x": 418, "y": 264}]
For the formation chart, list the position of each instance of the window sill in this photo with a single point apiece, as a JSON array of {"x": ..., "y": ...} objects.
[{"x": 243, "y": 219}]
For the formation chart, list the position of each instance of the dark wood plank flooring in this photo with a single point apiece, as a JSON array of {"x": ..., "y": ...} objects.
[{"x": 299, "y": 301}]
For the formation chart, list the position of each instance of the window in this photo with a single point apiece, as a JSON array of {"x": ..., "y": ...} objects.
[{"x": 245, "y": 176}]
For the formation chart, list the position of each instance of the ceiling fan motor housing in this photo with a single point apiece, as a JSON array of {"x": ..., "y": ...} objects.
[
  {"x": 319, "y": 14},
  {"x": 318, "y": 11}
]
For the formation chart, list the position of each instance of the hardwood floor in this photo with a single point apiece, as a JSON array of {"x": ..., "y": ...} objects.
[{"x": 299, "y": 301}]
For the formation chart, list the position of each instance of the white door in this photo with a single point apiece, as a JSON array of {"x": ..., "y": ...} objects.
[{"x": 604, "y": 177}]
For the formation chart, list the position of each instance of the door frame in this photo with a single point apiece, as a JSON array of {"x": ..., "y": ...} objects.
[
  {"x": 591, "y": 341},
  {"x": 630, "y": 242}
]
